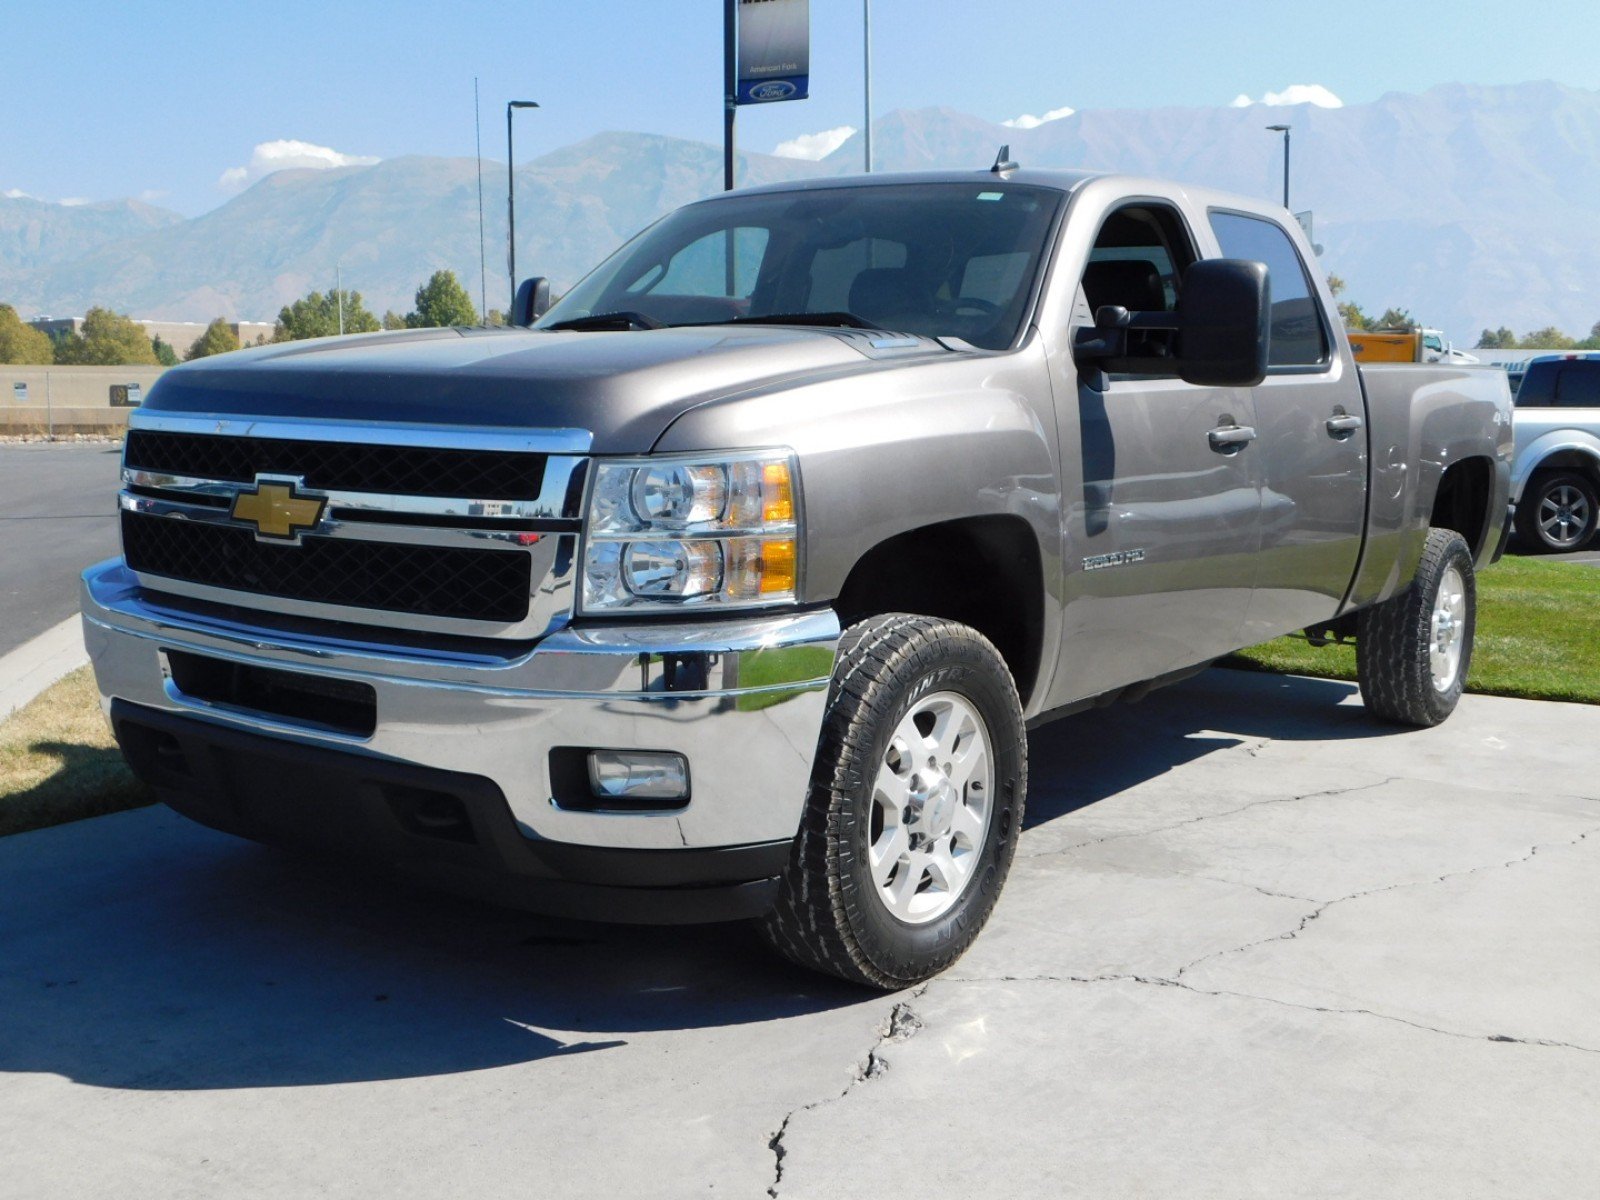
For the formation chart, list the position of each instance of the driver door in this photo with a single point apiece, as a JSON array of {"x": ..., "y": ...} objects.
[{"x": 1161, "y": 526}]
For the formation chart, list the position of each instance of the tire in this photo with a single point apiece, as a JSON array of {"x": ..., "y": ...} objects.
[
  {"x": 1558, "y": 512},
  {"x": 868, "y": 894},
  {"x": 1403, "y": 680}
]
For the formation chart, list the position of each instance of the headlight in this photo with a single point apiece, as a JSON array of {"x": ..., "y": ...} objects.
[{"x": 692, "y": 531}]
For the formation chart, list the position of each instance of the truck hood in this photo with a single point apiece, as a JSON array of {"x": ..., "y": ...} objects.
[{"x": 625, "y": 388}]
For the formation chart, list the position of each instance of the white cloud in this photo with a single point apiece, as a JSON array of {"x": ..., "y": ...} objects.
[
  {"x": 1029, "y": 121},
  {"x": 1295, "y": 93},
  {"x": 151, "y": 195},
  {"x": 815, "y": 145},
  {"x": 282, "y": 154},
  {"x": 17, "y": 194},
  {"x": 74, "y": 201}
]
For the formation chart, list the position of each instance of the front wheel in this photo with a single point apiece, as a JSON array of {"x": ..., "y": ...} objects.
[
  {"x": 1413, "y": 651},
  {"x": 914, "y": 807}
]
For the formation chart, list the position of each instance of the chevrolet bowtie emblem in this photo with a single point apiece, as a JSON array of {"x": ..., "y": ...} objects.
[{"x": 277, "y": 510}]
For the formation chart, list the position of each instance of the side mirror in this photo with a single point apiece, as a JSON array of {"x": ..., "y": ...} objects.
[
  {"x": 1224, "y": 323},
  {"x": 532, "y": 301}
]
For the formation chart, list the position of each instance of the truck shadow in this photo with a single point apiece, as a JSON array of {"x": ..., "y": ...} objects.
[
  {"x": 141, "y": 951},
  {"x": 1079, "y": 760}
]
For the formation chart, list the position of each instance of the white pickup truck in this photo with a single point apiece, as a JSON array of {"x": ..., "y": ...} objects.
[{"x": 1555, "y": 478}]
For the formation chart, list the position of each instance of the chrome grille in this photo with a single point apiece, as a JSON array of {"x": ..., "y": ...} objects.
[
  {"x": 341, "y": 466},
  {"x": 431, "y": 581},
  {"x": 452, "y": 530}
]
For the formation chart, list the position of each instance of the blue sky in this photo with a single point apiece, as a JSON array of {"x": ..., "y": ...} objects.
[{"x": 161, "y": 100}]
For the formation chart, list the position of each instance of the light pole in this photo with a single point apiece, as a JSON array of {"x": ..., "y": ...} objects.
[
  {"x": 1284, "y": 129},
  {"x": 866, "y": 73},
  {"x": 511, "y": 200},
  {"x": 730, "y": 90}
]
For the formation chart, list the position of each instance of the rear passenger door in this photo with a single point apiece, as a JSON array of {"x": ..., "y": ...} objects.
[{"x": 1312, "y": 451}]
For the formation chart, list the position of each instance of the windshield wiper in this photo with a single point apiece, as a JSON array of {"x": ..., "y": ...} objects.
[
  {"x": 832, "y": 320},
  {"x": 626, "y": 319}
]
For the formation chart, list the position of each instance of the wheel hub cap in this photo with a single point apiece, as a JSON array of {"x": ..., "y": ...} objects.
[
  {"x": 1447, "y": 629},
  {"x": 933, "y": 803},
  {"x": 931, "y": 806},
  {"x": 1563, "y": 515}
]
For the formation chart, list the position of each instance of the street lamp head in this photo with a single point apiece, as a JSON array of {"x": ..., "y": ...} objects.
[
  {"x": 1278, "y": 128},
  {"x": 521, "y": 104}
]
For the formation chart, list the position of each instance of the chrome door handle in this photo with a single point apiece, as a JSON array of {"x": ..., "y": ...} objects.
[
  {"x": 1231, "y": 439},
  {"x": 1341, "y": 425}
]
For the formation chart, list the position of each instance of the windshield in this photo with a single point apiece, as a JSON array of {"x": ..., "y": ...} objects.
[{"x": 946, "y": 259}]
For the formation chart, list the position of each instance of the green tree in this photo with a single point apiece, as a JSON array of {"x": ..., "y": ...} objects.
[
  {"x": 1548, "y": 338},
  {"x": 1395, "y": 318},
  {"x": 108, "y": 339},
  {"x": 442, "y": 301},
  {"x": 1354, "y": 319},
  {"x": 1497, "y": 339},
  {"x": 21, "y": 343},
  {"x": 1592, "y": 342},
  {"x": 219, "y": 338},
  {"x": 393, "y": 320},
  {"x": 317, "y": 315},
  {"x": 165, "y": 354},
  {"x": 495, "y": 317}
]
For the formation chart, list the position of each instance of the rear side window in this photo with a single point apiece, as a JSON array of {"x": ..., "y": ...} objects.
[
  {"x": 1574, "y": 384},
  {"x": 1298, "y": 336}
]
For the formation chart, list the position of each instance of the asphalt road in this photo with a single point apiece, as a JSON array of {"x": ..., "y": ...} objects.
[
  {"x": 58, "y": 506},
  {"x": 1254, "y": 945}
]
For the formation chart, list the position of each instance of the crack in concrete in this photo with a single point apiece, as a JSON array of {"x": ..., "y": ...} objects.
[
  {"x": 1177, "y": 981},
  {"x": 1163, "y": 981},
  {"x": 1119, "y": 837},
  {"x": 901, "y": 1024},
  {"x": 1291, "y": 934}
]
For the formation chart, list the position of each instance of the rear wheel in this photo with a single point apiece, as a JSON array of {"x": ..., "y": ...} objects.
[
  {"x": 1413, "y": 651},
  {"x": 1558, "y": 511},
  {"x": 914, "y": 809}
]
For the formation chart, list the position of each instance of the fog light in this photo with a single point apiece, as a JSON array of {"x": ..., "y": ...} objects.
[{"x": 640, "y": 775}]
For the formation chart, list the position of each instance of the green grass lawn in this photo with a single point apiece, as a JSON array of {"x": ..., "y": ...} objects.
[{"x": 1538, "y": 636}]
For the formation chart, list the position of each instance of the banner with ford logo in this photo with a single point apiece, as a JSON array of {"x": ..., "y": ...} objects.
[{"x": 774, "y": 50}]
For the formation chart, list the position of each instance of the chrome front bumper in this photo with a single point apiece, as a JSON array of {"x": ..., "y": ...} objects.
[{"x": 741, "y": 699}]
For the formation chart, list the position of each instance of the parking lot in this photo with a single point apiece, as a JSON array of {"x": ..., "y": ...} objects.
[
  {"x": 58, "y": 514},
  {"x": 1253, "y": 945}
]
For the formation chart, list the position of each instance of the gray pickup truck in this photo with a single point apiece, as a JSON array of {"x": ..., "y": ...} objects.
[{"x": 730, "y": 586}]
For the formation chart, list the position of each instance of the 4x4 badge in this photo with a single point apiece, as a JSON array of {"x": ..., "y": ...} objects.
[{"x": 277, "y": 510}]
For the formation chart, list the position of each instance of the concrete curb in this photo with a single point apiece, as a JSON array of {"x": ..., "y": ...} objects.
[{"x": 35, "y": 665}]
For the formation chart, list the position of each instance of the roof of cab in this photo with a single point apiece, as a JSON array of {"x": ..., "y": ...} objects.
[{"x": 1062, "y": 181}]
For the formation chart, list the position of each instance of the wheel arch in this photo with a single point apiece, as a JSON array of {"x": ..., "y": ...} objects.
[
  {"x": 999, "y": 590},
  {"x": 1463, "y": 502},
  {"x": 1568, "y": 449}
]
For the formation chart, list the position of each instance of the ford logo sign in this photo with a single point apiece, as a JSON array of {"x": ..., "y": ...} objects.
[{"x": 778, "y": 89}]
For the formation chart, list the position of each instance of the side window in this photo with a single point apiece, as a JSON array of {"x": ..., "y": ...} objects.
[
  {"x": 1137, "y": 260},
  {"x": 1298, "y": 336},
  {"x": 701, "y": 267},
  {"x": 1578, "y": 385},
  {"x": 1137, "y": 263}
]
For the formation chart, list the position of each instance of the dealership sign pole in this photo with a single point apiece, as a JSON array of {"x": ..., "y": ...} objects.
[{"x": 766, "y": 48}]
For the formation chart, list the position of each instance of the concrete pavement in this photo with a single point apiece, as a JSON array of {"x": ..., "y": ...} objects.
[
  {"x": 1254, "y": 945},
  {"x": 58, "y": 514}
]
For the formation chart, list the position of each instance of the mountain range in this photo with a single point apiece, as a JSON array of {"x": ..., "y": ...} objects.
[{"x": 1471, "y": 206}]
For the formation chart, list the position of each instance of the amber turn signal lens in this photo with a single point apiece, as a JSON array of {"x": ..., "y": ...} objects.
[
  {"x": 777, "y": 494},
  {"x": 778, "y": 567}
]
